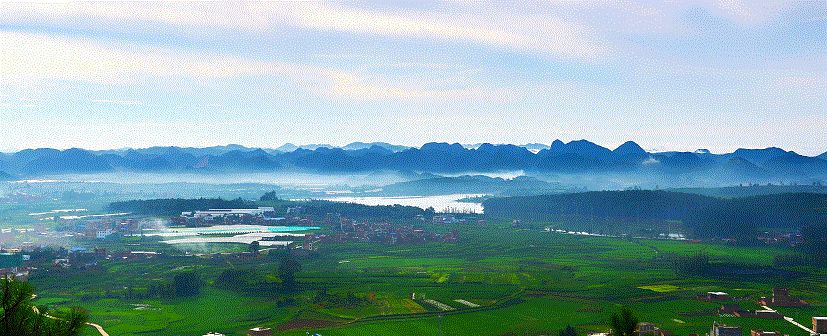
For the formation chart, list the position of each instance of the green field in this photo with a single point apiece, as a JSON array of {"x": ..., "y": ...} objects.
[{"x": 526, "y": 283}]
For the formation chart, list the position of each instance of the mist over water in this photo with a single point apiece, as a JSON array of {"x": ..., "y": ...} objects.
[
  {"x": 280, "y": 178},
  {"x": 440, "y": 203}
]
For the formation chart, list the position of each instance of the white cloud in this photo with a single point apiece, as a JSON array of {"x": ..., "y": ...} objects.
[
  {"x": 546, "y": 35},
  {"x": 578, "y": 30},
  {"x": 27, "y": 57}
]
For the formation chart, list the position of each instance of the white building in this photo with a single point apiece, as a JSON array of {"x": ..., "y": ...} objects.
[
  {"x": 263, "y": 212},
  {"x": 102, "y": 234}
]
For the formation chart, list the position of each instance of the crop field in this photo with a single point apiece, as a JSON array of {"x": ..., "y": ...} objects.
[{"x": 525, "y": 283}]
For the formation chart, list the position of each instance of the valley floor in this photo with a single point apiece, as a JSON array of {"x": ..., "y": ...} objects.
[{"x": 523, "y": 282}]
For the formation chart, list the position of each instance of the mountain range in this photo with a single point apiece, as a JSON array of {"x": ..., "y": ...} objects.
[{"x": 579, "y": 156}]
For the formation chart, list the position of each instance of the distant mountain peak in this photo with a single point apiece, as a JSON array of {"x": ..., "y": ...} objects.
[
  {"x": 288, "y": 147},
  {"x": 556, "y": 145},
  {"x": 629, "y": 147},
  {"x": 367, "y": 145},
  {"x": 442, "y": 146},
  {"x": 579, "y": 147},
  {"x": 759, "y": 156}
]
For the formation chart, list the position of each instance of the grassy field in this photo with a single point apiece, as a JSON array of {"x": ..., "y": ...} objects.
[{"x": 526, "y": 283}]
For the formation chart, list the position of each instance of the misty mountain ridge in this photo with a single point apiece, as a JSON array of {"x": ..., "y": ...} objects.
[
  {"x": 4, "y": 176},
  {"x": 474, "y": 184},
  {"x": 580, "y": 156}
]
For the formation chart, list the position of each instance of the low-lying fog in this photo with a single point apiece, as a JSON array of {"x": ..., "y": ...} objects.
[{"x": 282, "y": 178}]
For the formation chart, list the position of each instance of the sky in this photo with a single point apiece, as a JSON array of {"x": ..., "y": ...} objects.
[{"x": 679, "y": 75}]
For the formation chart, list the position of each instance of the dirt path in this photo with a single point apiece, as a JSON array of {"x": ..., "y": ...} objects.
[
  {"x": 93, "y": 325},
  {"x": 99, "y": 328},
  {"x": 790, "y": 319}
]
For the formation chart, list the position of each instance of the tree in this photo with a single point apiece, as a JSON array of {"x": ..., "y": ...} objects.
[
  {"x": 20, "y": 317},
  {"x": 624, "y": 323},
  {"x": 254, "y": 247},
  {"x": 568, "y": 331},
  {"x": 187, "y": 284},
  {"x": 288, "y": 267},
  {"x": 815, "y": 242}
]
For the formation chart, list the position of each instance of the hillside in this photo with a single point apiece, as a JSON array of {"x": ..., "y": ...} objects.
[
  {"x": 702, "y": 216},
  {"x": 754, "y": 190},
  {"x": 4, "y": 176}
]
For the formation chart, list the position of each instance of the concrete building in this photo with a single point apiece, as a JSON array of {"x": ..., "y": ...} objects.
[
  {"x": 644, "y": 328},
  {"x": 264, "y": 212},
  {"x": 781, "y": 297},
  {"x": 732, "y": 309},
  {"x": 820, "y": 325},
  {"x": 723, "y": 330},
  {"x": 259, "y": 331},
  {"x": 763, "y": 333},
  {"x": 102, "y": 234}
]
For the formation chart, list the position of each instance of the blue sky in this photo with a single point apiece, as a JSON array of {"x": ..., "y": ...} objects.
[{"x": 677, "y": 76}]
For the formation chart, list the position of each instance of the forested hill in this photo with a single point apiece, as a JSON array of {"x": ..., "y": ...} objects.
[
  {"x": 755, "y": 190},
  {"x": 705, "y": 216}
]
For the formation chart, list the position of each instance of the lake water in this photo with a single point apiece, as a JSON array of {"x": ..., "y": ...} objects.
[{"x": 440, "y": 203}]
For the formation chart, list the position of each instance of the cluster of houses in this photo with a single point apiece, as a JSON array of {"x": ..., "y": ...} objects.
[
  {"x": 725, "y": 330},
  {"x": 102, "y": 229},
  {"x": 786, "y": 239},
  {"x": 780, "y": 298},
  {"x": 379, "y": 232},
  {"x": 11, "y": 264},
  {"x": 718, "y": 329},
  {"x": 649, "y": 329}
]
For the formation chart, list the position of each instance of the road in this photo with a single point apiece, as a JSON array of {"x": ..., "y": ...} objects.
[
  {"x": 790, "y": 319},
  {"x": 93, "y": 325},
  {"x": 99, "y": 328}
]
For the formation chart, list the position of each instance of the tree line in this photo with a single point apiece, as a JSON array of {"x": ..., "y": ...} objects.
[{"x": 704, "y": 216}]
